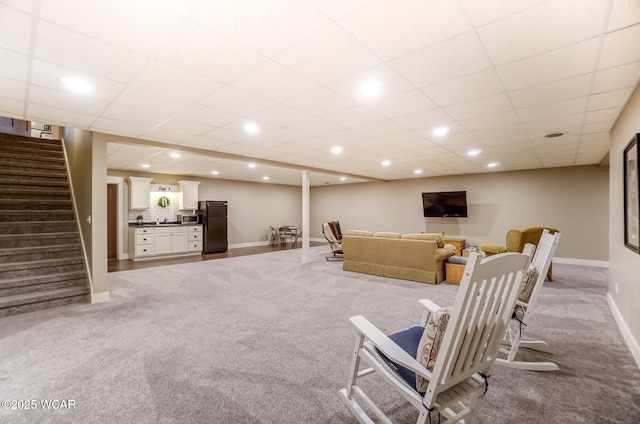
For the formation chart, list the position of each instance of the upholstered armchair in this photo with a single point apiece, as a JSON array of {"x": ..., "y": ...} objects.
[{"x": 516, "y": 239}]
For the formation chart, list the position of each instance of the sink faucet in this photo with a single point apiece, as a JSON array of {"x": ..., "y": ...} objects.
[{"x": 165, "y": 220}]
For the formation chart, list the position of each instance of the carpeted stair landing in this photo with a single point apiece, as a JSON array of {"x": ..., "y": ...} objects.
[{"x": 41, "y": 260}]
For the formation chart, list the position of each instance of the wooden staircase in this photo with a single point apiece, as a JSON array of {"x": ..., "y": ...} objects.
[{"x": 41, "y": 259}]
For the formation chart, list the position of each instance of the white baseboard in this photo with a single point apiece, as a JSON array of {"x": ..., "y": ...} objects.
[
  {"x": 583, "y": 262},
  {"x": 100, "y": 297},
  {"x": 632, "y": 343}
]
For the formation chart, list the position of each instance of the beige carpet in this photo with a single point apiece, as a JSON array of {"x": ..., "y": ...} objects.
[{"x": 265, "y": 339}]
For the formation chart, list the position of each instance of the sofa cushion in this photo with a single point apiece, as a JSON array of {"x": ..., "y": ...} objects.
[
  {"x": 362, "y": 233},
  {"x": 437, "y": 237},
  {"x": 387, "y": 234}
]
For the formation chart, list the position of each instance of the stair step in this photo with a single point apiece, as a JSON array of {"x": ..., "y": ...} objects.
[
  {"x": 31, "y": 174},
  {"x": 33, "y": 193},
  {"x": 28, "y": 302},
  {"x": 34, "y": 183},
  {"x": 15, "y": 241},
  {"x": 35, "y": 215},
  {"x": 27, "y": 157},
  {"x": 31, "y": 142},
  {"x": 35, "y": 205},
  {"x": 33, "y": 151},
  {"x": 47, "y": 282},
  {"x": 38, "y": 227},
  {"x": 36, "y": 253},
  {"x": 35, "y": 163},
  {"x": 43, "y": 267}
]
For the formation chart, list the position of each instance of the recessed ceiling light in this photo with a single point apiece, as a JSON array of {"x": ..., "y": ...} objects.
[
  {"x": 251, "y": 128},
  {"x": 493, "y": 164},
  {"x": 175, "y": 155},
  {"x": 418, "y": 171},
  {"x": 251, "y": 165},
  {"x": 385, "y": 162},
  {"x": 474, "y": 152},
  {"x": 343, "y": 178},
  {"x": 78, "y": 86},
  {"x": 440, "y": 131},
  {"x": 214, "y": 172},
  {"x": 371, "y": 89},
  {"x": 266, "y": 178},
  {"x": 336, "y": 150},
  {"x": 145, "y": 165}
]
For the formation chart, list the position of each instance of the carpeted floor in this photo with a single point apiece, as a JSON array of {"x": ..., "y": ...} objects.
[{"x": 265, "y": 339}]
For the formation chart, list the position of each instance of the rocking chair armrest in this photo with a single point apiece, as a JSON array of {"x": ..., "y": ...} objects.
[
  {"x": 388, "y": 347},
  {"x": 430, "y": 307}
]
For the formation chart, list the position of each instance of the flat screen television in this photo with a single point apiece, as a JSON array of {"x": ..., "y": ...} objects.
[{"x": 445, "y": 204}]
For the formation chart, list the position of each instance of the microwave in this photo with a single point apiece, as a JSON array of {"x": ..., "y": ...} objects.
[{"x": 191, "y": 219}]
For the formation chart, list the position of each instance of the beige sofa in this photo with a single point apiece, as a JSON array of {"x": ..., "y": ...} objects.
[{"x": 416, "y": 257}]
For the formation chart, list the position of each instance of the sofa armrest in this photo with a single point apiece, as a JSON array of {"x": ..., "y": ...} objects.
[
  {"x": 492, "y": 249},
  {"x": 442, "y": 253}
]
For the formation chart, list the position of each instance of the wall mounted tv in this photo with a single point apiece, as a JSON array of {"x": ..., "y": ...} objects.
[{"x": 445, "y": 204}]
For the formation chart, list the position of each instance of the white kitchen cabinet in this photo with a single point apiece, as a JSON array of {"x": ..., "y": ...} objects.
[
  {"x": 164, "y": 241},
  {"x": 140, "y": 190},
  {"x": 188, "y": 196}
]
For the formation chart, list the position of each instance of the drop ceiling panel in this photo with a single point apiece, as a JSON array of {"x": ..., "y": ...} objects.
[
  {"x": 459, "y": 90},
  {"x": 12, "y": 89},
  {"x": 13, "y": 65},
  {"x": 18, "y": 38},
  {"x": 236, "y": 101}
]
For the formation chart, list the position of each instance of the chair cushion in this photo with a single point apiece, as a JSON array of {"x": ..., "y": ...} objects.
[
  {"x": 528, "y": 283},
  {"x": 408, "y": 340},
  {"x": 430, "y": 342}
]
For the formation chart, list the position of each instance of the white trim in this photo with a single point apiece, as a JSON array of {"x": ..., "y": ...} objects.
[
  {"x": 101, "y": 297},
  {"x": 632, "y": 343},
  {"x": 120, "y": 182},
  {"x": 583, "y": 262}
]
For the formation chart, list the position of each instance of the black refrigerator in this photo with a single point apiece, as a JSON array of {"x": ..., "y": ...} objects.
[{"x": 214, "y": 220}]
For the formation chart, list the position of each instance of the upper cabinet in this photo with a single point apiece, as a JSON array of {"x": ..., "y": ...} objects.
[
  {"x": 188, "y": 196},
  {"x": 140, "y": 190}
]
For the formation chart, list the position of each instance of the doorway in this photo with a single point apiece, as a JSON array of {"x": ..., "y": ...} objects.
[{"x": 112, "y": 222}]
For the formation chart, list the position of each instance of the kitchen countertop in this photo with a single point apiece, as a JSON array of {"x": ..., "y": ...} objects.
[{"x": 168, "y": 224}]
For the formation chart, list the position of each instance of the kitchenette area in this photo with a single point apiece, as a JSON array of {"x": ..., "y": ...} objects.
[{"x": 167, "y": 221}]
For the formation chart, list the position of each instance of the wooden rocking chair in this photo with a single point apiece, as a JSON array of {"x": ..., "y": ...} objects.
[
  {"x": 452, "y": 382},
  {"x": 525, "y": 305},
  {"x": 328, "y": 231}
]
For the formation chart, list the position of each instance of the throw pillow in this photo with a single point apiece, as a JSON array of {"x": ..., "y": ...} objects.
[
  {"x": 526, "y": 288},
  {"x": 430, "y": 343}
]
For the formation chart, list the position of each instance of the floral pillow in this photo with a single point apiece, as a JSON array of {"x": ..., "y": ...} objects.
[
  {"x": 526, "y": 288},
  {"x": 430, "y": 343}
]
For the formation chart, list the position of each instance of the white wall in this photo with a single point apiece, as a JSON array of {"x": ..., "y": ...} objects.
[
  {"x": 574, "y": 200},
  {"x": 624, "y": 269}
]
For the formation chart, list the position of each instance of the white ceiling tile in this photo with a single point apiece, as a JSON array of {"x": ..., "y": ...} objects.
[
  {"x": 546, "y": 27},
  {"x": 41, "y": 113},
  {"x": 146, "y": 100},
  {"x": 280, "y": 115},
  {"x": 406, "y": 103},
  {"x": 548, "y": 67},
  {"x": 425, "y": 119},
  {"x": 381, "y": 129},
  {"x": 205, "y": 115},
  {"x": 337, "y": 9},
  {"x": 274, "y": 82},
  {"x": 88, "y": 54},
  {"x": 12, "y": 89},
  {"x": 266, "y": 26},
  {"x": 118, "y": 22},
  {"x": 478, "y": 85},
  {"x": 321, "y": 101},
  {"x": 610, "y": 99},
  {"x": 202, "y": 142},
  {"x": 15, "y": 29},
  {"x": 602, "y": 137},
  {"x": 453, "y": 58},
  {"x": 13, "y": 65},
  {"x": 328, "y": 55},
  {"x": 12, "y": 108},
  {"x": 552, "y": 92},
  {"x": 166, "y": 79},
  {"x": 65, "y": 101},
  {"x": 394, "y": 28},
  {"x": 620, "y": 47},
  {"x": 316, "y": 127},
  {"x": 624, "y": 76},
  {"x": 186, "y": 128},
  {"x": 504, "y": 119},
  {"x": 481, "y": 12},
  {"x": 486, "y": 134},
  {"x": 475, "y": 108},
  {"x": 623, "y": 14},
  {"x": 202, "y": 52},
  {"x": 236, "y": 101},
  {"x": 354, "y": 117},
  {"x": 392, "y": 83},
  {"x": 597, "y": 127},
  {"x": 48, "y": 75},
  {"x": 553, "y": 124},
  {"x": 118, "y": 127},
  {"x": 551, "y": 110}
]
